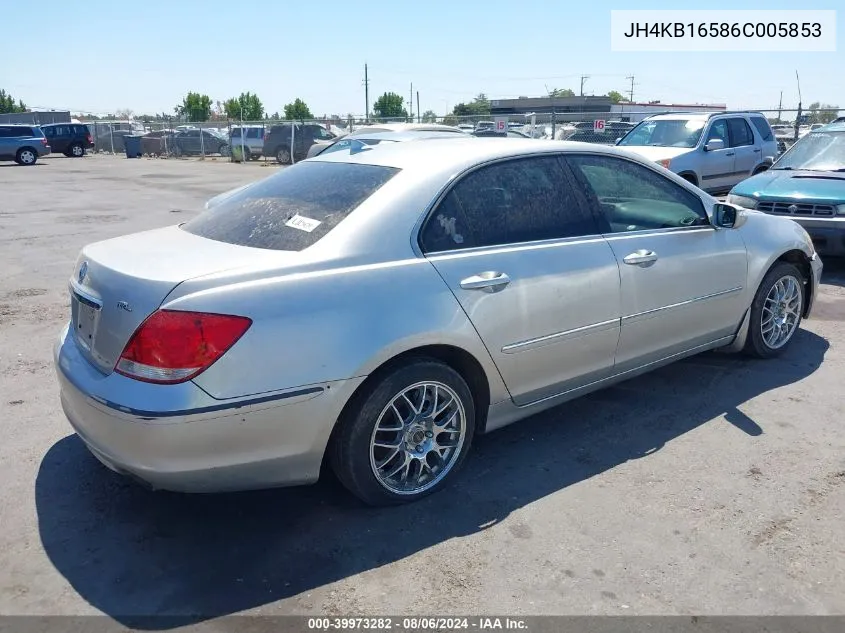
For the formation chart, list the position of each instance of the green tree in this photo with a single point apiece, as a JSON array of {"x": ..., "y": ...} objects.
[
  {"x": 247, "y": 106},
  {"x": 8, "y": 105},
  {"x": 561, "y": 92},
  {"x": 429, "y": 117},
  {"x": 390, "y": 106},
  {"x": 298, "y": 111},
  {"x": 195, "y": 107},
  {"x": 822, "y": 112},
  {"x": 616, "y": 97},
  {"x": 480, "y": 106}
]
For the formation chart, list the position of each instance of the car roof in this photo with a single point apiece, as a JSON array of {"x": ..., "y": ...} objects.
[
  {"x": 453, "y": 154},
  {"x": 830, "y": 127},
  {"x": 404, "y": 127}
]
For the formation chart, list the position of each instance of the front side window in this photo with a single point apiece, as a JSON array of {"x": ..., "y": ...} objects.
[
  {"x": 632, "y": 197},
  {"x": 292, "y": 209},
  {"x": 740, "y": 133},
  {"x": 510, "y": 202},
  {"x": 719, "y": 131}
]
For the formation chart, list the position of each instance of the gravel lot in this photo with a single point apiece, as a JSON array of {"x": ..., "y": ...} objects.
[{"x": 714, "y": 486}]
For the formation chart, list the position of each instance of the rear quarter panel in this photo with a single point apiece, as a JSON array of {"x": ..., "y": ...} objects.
[{"x": 315, "y": 327}]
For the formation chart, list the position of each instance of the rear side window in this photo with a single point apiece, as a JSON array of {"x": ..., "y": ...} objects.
[
  {"x": 17, "y": 131},
  {"x": 510, "y": 202},
  {"x": 255, "y": 132},
  {"x": 740, "y": 133},
  {"x": 762, "y": 127},
  {"x": 292, "y": 209}
]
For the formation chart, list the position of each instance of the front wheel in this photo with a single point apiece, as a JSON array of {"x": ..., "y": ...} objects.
[
  {"x": 406, "y": 436},
  {"x": 776, "y": 311}
]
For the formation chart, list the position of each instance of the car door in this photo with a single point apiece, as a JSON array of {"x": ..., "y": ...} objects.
[
  {"x": 527, "y": 264},
  {"x": 717, "y": 166},
  {"x": 748, "y": 151},
  {"x": 682, "y": 278},
  {"x": 7, "y": 147},
  {"x": 189, "y": 141}
]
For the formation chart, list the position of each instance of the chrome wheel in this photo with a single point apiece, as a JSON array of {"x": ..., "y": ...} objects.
[
  {"x": 418, "y": 438},
  {"x": 781, "y": 312},
  {"x": 27, "y": 157}
]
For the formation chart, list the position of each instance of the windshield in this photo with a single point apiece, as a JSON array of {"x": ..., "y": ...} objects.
[
  {"x": 292, "y": 209},
  {"x": 665, "y": 133},
  {"x": 820, "y": 151}
]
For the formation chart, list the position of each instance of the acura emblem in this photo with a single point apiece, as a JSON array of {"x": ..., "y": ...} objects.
[
  {"x": 792, "y": 208},
  {"x": 83, "y": 270}
]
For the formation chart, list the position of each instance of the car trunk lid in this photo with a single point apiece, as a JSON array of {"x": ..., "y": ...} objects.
[{"x": 118, "y": 283}]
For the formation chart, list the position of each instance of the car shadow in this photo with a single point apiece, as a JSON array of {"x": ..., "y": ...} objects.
[{"x": 132, "y": 553}]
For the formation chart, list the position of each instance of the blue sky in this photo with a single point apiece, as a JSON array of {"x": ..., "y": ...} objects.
[{"x": 146, "y": 56}]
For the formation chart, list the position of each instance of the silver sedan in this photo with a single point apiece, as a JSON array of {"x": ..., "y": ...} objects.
[{"x": 381, "y": 308}]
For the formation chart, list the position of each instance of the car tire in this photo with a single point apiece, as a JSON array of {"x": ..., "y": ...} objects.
[
  {"x": 399, "y": 430},
  {"x": 76, "y": 150},
  {"x": 776, "y": 311},
  {"x": 283, "y": 156},
  {"x": 26, "y": 156}
]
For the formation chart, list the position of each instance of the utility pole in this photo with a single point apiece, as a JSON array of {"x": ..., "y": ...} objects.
[
  {"x": 797, "y": 116},
  {"x": 631, "y": 92},
  {"x": 584, "y": 78},
  {"x": 419, "y": 112},
  {"x": 780, "y": 105},
  {"x": 411, "y": 102},
  {"x": 366, "y": 96}
]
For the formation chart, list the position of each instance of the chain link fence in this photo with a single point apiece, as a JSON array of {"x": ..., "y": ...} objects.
[{"x": 288, "y": 142}]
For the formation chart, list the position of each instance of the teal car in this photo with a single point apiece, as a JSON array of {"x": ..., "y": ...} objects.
[{"x": 807, "y": 184}]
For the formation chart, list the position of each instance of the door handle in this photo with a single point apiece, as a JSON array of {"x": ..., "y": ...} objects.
[
  {"x": 487, "y": 281},
  {"x": 729, "y": 153},
  {"x": 757, "y": 151},
  {"x": 639, "y": 257}
]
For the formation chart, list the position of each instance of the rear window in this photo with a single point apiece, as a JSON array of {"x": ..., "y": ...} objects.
[
  {"x": 292, "y": 209},
  {"x": 15, "y": 131}
]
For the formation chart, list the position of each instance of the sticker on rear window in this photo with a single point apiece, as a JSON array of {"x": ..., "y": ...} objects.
[{"x": 302, "y": 223}]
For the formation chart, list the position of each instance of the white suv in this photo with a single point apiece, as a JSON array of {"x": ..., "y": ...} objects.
[{"x": 714, "y": 151}]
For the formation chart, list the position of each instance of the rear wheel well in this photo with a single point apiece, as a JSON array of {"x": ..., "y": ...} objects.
[
  {"x": 800, "y": 260},
  {"x": 458, "y": 359}
]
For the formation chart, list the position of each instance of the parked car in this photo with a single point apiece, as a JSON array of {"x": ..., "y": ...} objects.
[
  {"x": 714, "y": 151},
  {"x": 806, "y": 184},
  {"x": 277, "y": 140},
  {"x": 393, "y": 132},
  {"x": 196, "y": 141},
  {"x": 362, "y": 142},
  {"x": 333, "y": 310},
  {"x": 466, "y": 127},
  {"x": 23, "y": 144},
  {"x": 612, "y": 132},
  {"x": 70, "y": 139},
  {"x": 253, "y": 140},
  {"x": 495, "y": 134}
]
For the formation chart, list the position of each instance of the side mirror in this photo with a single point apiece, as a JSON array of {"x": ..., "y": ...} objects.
[
  {"x": 714, "y": 144},
  {"x": 725, "y": 215},
  {"x": 616, "y": 142}
]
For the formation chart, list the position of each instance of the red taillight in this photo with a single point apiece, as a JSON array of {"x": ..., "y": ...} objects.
[
  {"x": 44, "y": 142},
  {"x": 173, "y": 346},
  {"x": 90, "y": 139}
]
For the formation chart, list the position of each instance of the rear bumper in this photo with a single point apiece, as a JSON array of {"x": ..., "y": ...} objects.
[{"x": 177, "y": 437}]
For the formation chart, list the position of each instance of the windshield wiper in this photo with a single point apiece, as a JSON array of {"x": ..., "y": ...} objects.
[{"x": 783, "y": 168}]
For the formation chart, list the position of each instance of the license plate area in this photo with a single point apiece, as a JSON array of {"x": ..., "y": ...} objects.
[{"x": 85, "y": 315}]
